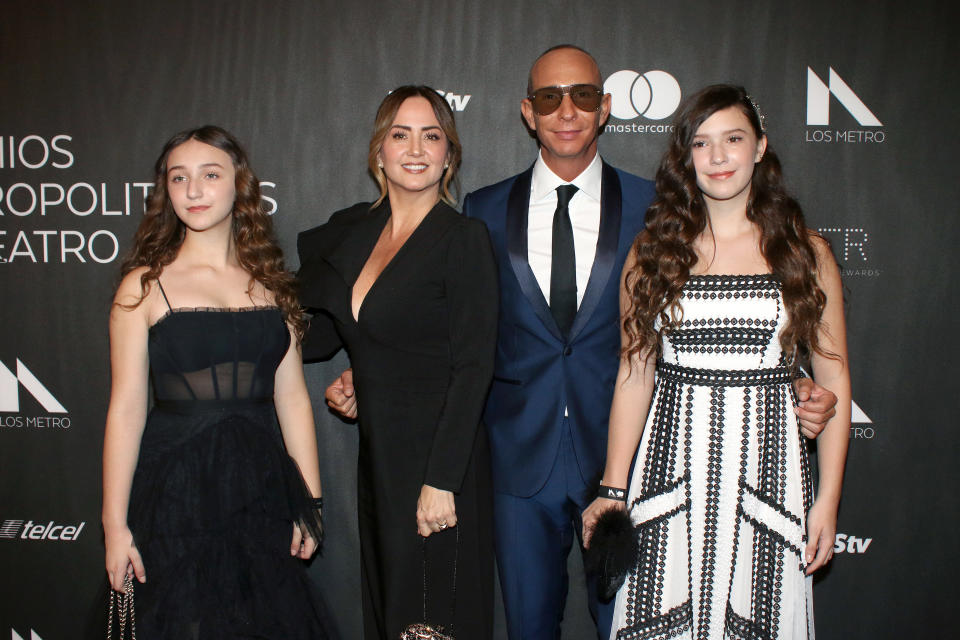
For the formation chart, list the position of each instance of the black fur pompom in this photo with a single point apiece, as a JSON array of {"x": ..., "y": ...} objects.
[{"x": 614, "y": 548}]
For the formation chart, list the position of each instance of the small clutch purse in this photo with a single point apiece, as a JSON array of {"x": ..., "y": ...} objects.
[
  {"x": 422, "y": 630},
  {"x": 122, "y": 603},
  {"x": 613, "y": 552}
]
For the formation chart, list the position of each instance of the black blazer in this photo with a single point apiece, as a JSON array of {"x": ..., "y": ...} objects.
[{"x": 423, "y": 345}]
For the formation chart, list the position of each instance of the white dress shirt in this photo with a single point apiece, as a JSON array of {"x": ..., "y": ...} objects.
[{"x": 584, "y": 209}]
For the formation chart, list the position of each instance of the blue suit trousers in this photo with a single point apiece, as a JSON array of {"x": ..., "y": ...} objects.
[{"x": 533, "y": 537}]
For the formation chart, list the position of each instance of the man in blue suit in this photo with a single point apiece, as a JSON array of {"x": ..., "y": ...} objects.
[
  {"x": 560, "y": 251},
  {"x": 553, "y": 382}
]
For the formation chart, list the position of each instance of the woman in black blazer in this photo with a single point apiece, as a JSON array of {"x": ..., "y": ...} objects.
[{"x": 409, "y": 287}]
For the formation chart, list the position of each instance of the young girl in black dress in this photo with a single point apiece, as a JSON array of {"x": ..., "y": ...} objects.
[{"x": 206, "y": 501}]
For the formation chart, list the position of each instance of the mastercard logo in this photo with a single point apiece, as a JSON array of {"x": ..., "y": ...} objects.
[{"x": 655, "y": 94}]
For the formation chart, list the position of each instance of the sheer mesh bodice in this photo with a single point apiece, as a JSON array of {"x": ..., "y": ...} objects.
[{"x": 217, "y": 354}]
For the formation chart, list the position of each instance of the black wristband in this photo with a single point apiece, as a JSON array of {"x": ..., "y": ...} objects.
[
  {"x": 318, "y": 503},
  {"x": 612, "y": 493}
]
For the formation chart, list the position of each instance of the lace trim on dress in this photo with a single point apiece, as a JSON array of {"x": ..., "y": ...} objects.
[
  {"x": 255, "y": 307},
  {"x": 723, "y": 377},
  {"x": 729, "y": 282}
]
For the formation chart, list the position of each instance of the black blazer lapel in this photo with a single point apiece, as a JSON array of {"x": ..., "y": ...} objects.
[
  {"x": 518, "y": 206},
  {"x": 343, "y": 244},
  {"x": 350, "y": 253},
  {"x": 611, "y": 200},
  {"x": 437, "y": 222}
]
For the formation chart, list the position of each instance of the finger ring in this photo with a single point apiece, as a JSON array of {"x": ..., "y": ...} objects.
[{"x": 442, "y": 524}]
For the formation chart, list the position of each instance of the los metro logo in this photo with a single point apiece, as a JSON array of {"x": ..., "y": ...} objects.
[
  {"x": 818, "y": 100},
  {"x": 10, "y": 389}
]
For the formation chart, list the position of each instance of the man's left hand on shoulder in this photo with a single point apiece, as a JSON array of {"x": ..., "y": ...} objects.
[{"x": 817, "y": 406}]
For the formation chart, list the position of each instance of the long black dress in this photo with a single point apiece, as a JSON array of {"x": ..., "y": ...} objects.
[
  {"x": 215, "y": 493},
  {"x": 422, "y": 357}
]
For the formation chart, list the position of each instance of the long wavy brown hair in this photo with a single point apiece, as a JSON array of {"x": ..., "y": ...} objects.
[
  {"x": 387, "y": 112},
  {"x": 160, "y": 234},
  {"x": 665, "y": 252}
]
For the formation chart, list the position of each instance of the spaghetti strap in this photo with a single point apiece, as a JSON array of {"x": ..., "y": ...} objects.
[{"x": 164, "y": 294}]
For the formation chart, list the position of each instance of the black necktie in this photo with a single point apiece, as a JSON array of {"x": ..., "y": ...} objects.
[{"x": 563, "y": 264}]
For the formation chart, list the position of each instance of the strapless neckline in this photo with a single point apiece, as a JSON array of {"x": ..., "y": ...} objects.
[{"x": 176, "y": 310}]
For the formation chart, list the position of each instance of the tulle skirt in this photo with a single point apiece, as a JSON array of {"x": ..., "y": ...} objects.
[{"x": 212, "y": 508}]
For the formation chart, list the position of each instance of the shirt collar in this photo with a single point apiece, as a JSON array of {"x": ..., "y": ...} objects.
[{"x": 544, "y": 181}]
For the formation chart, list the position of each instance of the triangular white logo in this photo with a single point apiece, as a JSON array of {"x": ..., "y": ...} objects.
[
  {"x": 10, "y": 389},
  {"x": 818, "y": 100},
  {"x": 857, "y": 416}
]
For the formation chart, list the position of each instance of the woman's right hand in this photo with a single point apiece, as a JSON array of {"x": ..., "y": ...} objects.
[
  {"x": 122, "y": 558},
  {"x": 593, "y": 512},
  {"x": 436, "y": 511}
]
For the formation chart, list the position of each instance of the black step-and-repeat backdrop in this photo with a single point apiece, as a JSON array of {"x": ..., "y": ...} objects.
[{"x": 861, "y": 101}]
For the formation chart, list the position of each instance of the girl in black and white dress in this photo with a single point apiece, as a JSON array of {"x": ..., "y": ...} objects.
[{"x": 723, "y": 294}]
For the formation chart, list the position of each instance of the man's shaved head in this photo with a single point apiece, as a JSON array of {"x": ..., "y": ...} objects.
[{"x": 531, "y": 88}]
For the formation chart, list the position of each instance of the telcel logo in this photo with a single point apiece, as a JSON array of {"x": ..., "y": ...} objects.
[
  {"x": 845, "y": 543},
  {"x": 16, "y": 636},
  {"x": 17, "y": 529},
  {"x": 10, "y": 389},
  {"x": 654, "y": 95}
]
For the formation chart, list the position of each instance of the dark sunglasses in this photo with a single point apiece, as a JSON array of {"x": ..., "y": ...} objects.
[{"x": 586, "y": 97}]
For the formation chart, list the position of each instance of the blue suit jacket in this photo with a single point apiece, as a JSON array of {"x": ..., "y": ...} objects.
[{"x": 537, "y": 371}]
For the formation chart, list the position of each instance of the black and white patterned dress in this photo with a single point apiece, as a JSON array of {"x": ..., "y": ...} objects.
[{"x": 722, "y": 484}]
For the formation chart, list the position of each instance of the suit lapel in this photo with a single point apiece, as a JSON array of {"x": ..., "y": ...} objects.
[
  {"x": 352, "y": 254},
  {"x": 518, "y": 206},
  {"x": 333, "y": 256},
  {"x": 348, "y": 251},
  {"x": 427, "y": 233},
  {"x": 608, "y": 240}
]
